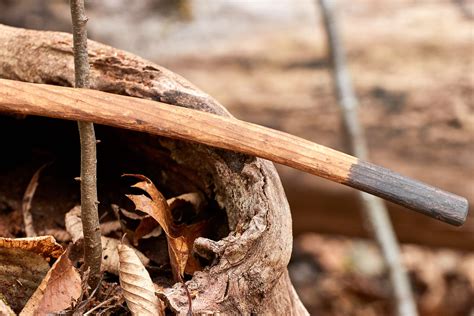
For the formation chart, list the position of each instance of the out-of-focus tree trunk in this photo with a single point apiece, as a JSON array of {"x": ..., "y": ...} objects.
[{"x": 374, "y": 210}]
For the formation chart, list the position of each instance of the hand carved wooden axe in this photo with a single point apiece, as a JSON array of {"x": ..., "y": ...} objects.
[{"x": 232, "y": 134}]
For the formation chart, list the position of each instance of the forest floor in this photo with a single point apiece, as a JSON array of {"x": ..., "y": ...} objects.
[
  {"x": 413, "y": 70},
  {"x": 343, "y": 276}
]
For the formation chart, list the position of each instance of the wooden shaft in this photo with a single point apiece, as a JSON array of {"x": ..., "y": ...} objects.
[{"x": 232, "y": 134}]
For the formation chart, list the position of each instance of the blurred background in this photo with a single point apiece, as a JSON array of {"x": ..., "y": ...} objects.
[{"x": 412, "y": 64}]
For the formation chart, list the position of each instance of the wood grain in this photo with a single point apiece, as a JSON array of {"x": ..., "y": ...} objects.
[{"x": 227, "y": 133}]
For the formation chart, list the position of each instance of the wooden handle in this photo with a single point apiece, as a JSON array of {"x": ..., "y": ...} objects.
[{"x": 232, "y": 134}]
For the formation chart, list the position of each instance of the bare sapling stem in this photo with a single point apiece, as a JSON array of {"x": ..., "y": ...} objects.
[{"x": 88, "y": 179}]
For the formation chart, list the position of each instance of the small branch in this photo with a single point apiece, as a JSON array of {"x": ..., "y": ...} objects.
[
  {"x": 100, "y": 305},
  {"x": 374, "y": 209},
  {"x": 89, "y": 200},
  {"x": 79, "y": 35}
]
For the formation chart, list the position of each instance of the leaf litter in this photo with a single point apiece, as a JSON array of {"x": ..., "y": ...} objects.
[
  {"x": 47, "y": 277},
  {"x": 110, "y": 256}
]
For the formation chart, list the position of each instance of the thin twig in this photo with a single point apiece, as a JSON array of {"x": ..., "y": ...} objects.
[
  {"x": 26, "y": 203},
  {"x": 89, "y": 201},
  {"x": 374, "y": 209},
  {"x": 110, "y": 299}
]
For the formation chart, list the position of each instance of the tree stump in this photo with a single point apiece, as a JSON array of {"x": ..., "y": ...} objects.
[{"x": 248, "y": 273}]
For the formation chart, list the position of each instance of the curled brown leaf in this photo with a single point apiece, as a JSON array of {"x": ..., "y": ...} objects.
[
  {"x": 180, "y": 237},
  {"x": 147, "y": 228},
  {"x": 157, "y": 207},
  {"x": 26, "y": 203}
]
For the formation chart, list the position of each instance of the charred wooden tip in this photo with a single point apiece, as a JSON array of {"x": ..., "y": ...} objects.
[{"x": 415, "y": 195}]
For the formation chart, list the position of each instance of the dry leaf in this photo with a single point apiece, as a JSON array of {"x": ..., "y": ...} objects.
[
  {"x": 130, "y": 215},
  {"x": 26, "y": 203},
  {"x": 110, "y": 258},
  {"x": 179, "y": 254},
  {"x": 180, "y": 237},
  {"x": 124, "y": 217},
  {"x": 73, "y": 223},
  {"x": 45, "y": 246},
  {"x": 23, "y": 264},
  {"x": 59, "y": 289},
  {"x": 59, "y": 234},
  {"x": 194, "y": 231},
  {"x": 147, "y": 228},
  {"x": 193, "y": 199},
  {"x": 137, "y": 286},
  {"x": 181, "y": 246},
  {"x": 157, "y": 207},
  {"x": 109, "y": 227}
]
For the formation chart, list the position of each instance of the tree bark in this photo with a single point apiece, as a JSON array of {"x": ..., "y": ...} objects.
[{"x": 249, "y": 274}]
